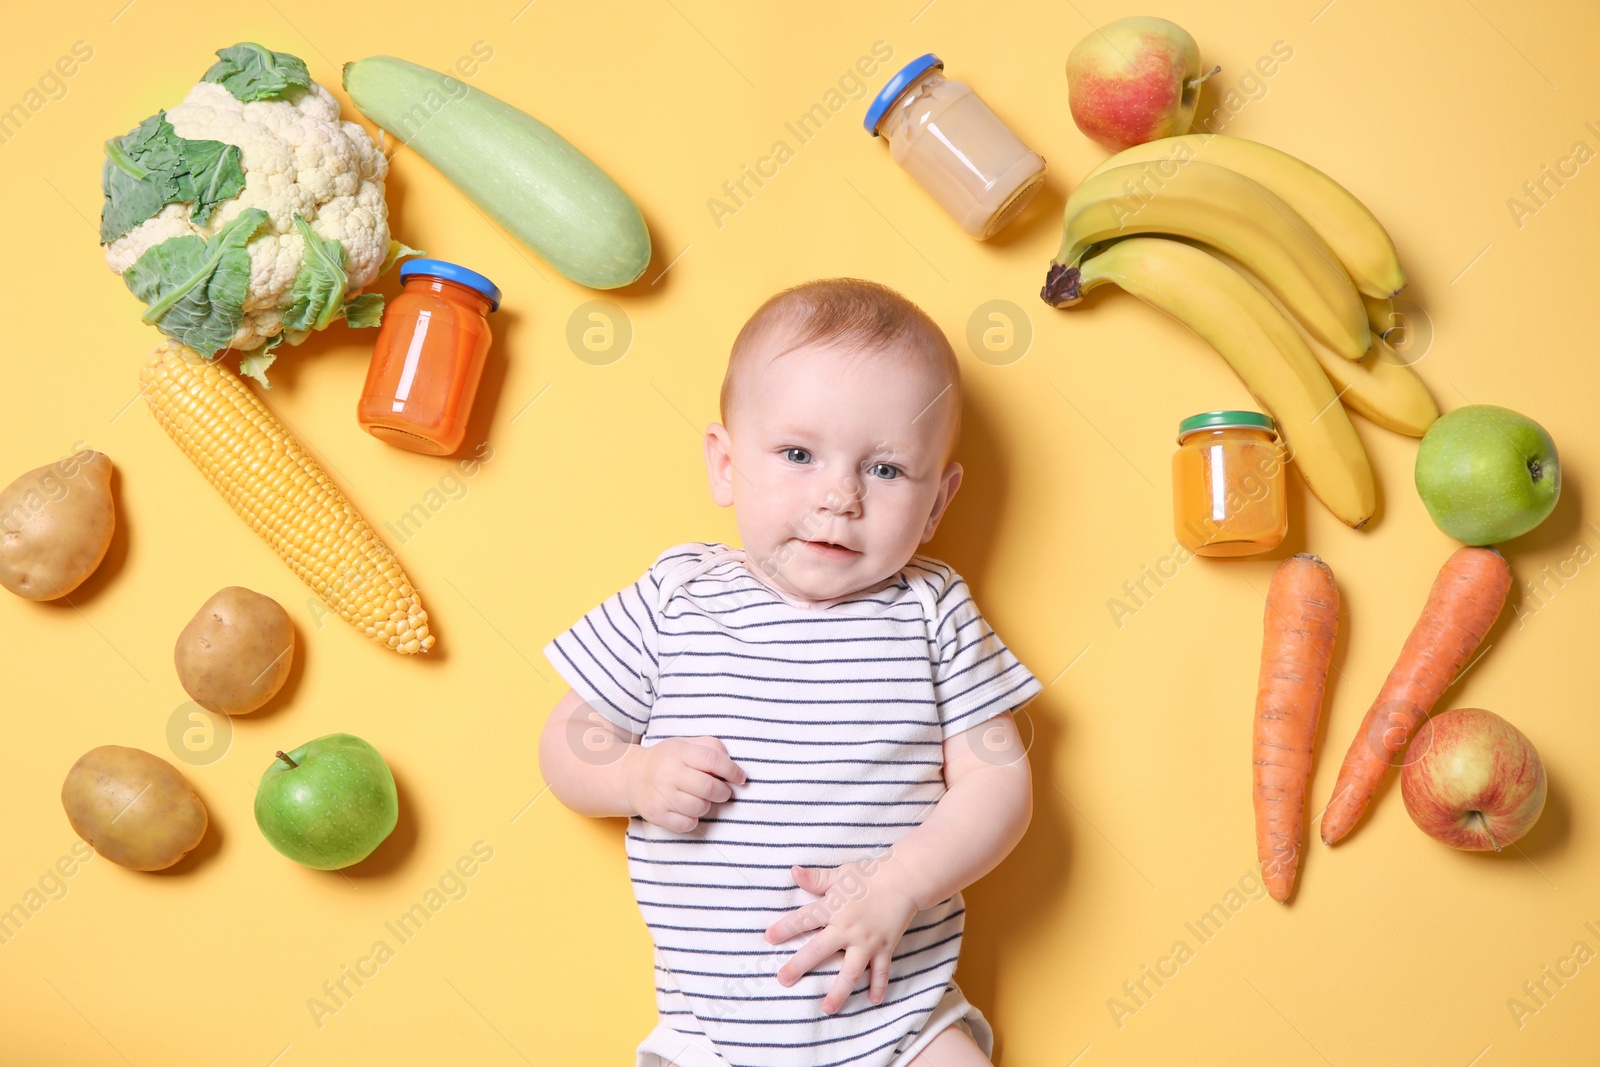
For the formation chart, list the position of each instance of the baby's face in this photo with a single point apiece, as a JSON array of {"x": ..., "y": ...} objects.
[{"x": 836, "y": 466}]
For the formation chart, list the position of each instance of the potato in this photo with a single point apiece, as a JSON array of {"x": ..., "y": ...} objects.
[
  {"x": 135, "y": 809},
  {"x": 55, "y": 526},
  {"x": 235, "y": 653}
]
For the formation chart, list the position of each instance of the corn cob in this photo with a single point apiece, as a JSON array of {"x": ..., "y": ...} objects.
[{"x": 265, "y": 474}]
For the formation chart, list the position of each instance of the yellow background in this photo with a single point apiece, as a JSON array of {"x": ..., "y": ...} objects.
[{"x": 1396, "y": 949}]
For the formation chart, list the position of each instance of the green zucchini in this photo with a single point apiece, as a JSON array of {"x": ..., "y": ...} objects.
[{"x": 520, "y": 172}]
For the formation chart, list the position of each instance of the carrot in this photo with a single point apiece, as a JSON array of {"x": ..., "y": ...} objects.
[
  {"x": 1296, "y": 651},
  {"x": 1465, "y": 600}
]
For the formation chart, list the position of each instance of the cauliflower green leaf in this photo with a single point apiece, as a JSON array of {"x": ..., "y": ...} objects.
[
  {"x": 256, "y": 363},
  {"x": 319, "y": 286},
  {"x": 151, "y": 167},
  {"x": 196, "y": 288},
  {"x": 397, "y": 252},
  {"x": 364, "y": 311},
  {"x": 213, "y": 174},
  {"x": 135, "y": 176},
  {"x": 318, "y": 295},
  {"x": 251, "y": 72}
]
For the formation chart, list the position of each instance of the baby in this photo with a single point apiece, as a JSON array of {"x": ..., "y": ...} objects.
[{"x": 811, "y": 735}]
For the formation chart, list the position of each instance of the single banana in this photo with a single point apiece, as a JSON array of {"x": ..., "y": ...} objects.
[
  {"x": 1353, "y": 232},
  {"x": 1259, "y": 344},
  {"x": 1222, "y": 208},
  {"x": 1382, "y": 387},
  {"x": 1380, "y": 315}
]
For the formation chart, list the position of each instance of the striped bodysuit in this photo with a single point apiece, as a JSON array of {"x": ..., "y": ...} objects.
[{"x": 837, "y": 715}]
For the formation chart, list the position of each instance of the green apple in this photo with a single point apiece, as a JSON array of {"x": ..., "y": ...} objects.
[
  {"x": 1487, "y": 474},
  {"x": 328, "y": 803}
]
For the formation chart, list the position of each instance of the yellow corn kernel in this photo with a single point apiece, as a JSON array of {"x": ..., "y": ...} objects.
[{"x": 284, "y": 495}]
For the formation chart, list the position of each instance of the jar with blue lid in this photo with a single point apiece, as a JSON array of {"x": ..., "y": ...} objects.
[
  {"x": 960, "y": 151},
  {"x": 429, "y": 357}
]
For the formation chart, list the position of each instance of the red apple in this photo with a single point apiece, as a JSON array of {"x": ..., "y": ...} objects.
[
  {"x": 1472, "y": 780},
  {"x": 1133, "y": 81}
]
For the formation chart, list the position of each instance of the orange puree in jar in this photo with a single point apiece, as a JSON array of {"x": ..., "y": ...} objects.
[
  {"x": 428, "y": 358},
  {"x": 1227, "y": 484}
]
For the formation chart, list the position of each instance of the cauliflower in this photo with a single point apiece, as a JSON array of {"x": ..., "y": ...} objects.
[{"x": 255, "y": 144}]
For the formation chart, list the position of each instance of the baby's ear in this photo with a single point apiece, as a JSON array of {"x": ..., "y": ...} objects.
[
  {"x": 948, "y": 484},
  {"x": 719, "y": 464}
]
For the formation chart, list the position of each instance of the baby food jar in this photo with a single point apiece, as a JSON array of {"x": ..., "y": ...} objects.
[
  {"x": 428, "y": 357},
  {"x": 957, "y": 149},
  {"x": 1227, "y": 484}
]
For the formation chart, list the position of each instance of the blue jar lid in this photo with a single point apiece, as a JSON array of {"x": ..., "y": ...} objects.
[
  {"x": 897, "y": 85},
  {"x": 453, "y": 272}
]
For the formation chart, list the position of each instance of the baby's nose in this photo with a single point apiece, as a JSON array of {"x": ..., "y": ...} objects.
[{"x": 843, "y": 497}]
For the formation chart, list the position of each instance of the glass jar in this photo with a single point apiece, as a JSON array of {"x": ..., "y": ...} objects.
[
  {"x": 428, "y": 358},
  {"x": 1227, "y": 484},
  {"x": 946, "y": 137}
]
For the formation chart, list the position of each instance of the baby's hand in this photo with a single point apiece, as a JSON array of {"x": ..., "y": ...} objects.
[
  {"x": 863, "y": 913},
  {"x": 674, "y": 782}
]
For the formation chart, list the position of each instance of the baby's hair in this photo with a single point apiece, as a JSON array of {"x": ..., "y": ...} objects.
[{"x": 863, "y": 316}]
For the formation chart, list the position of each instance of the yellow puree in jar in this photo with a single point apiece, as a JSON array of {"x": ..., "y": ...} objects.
[{"x": 1228, "y": 493}]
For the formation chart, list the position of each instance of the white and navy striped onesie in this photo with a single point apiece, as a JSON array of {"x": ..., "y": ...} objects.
[{"x": 837, "y": 716}]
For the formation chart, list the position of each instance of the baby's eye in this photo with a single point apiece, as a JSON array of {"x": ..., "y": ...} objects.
[
  {"x": 886, "y": 471},
  {"x": 797, "y": 455}
]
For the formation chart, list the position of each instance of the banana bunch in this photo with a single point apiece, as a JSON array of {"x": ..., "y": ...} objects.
[{"x": 1274, "y": 264}]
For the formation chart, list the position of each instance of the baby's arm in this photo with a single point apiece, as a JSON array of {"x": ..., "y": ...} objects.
[
  {"x": 596, "y": 768},
  {"x": 986, "y": 808},
  {"x": 583, "y": 758}
]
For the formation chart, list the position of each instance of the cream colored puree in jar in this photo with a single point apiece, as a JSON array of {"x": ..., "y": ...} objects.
[{"x": 948, "y": 139}]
